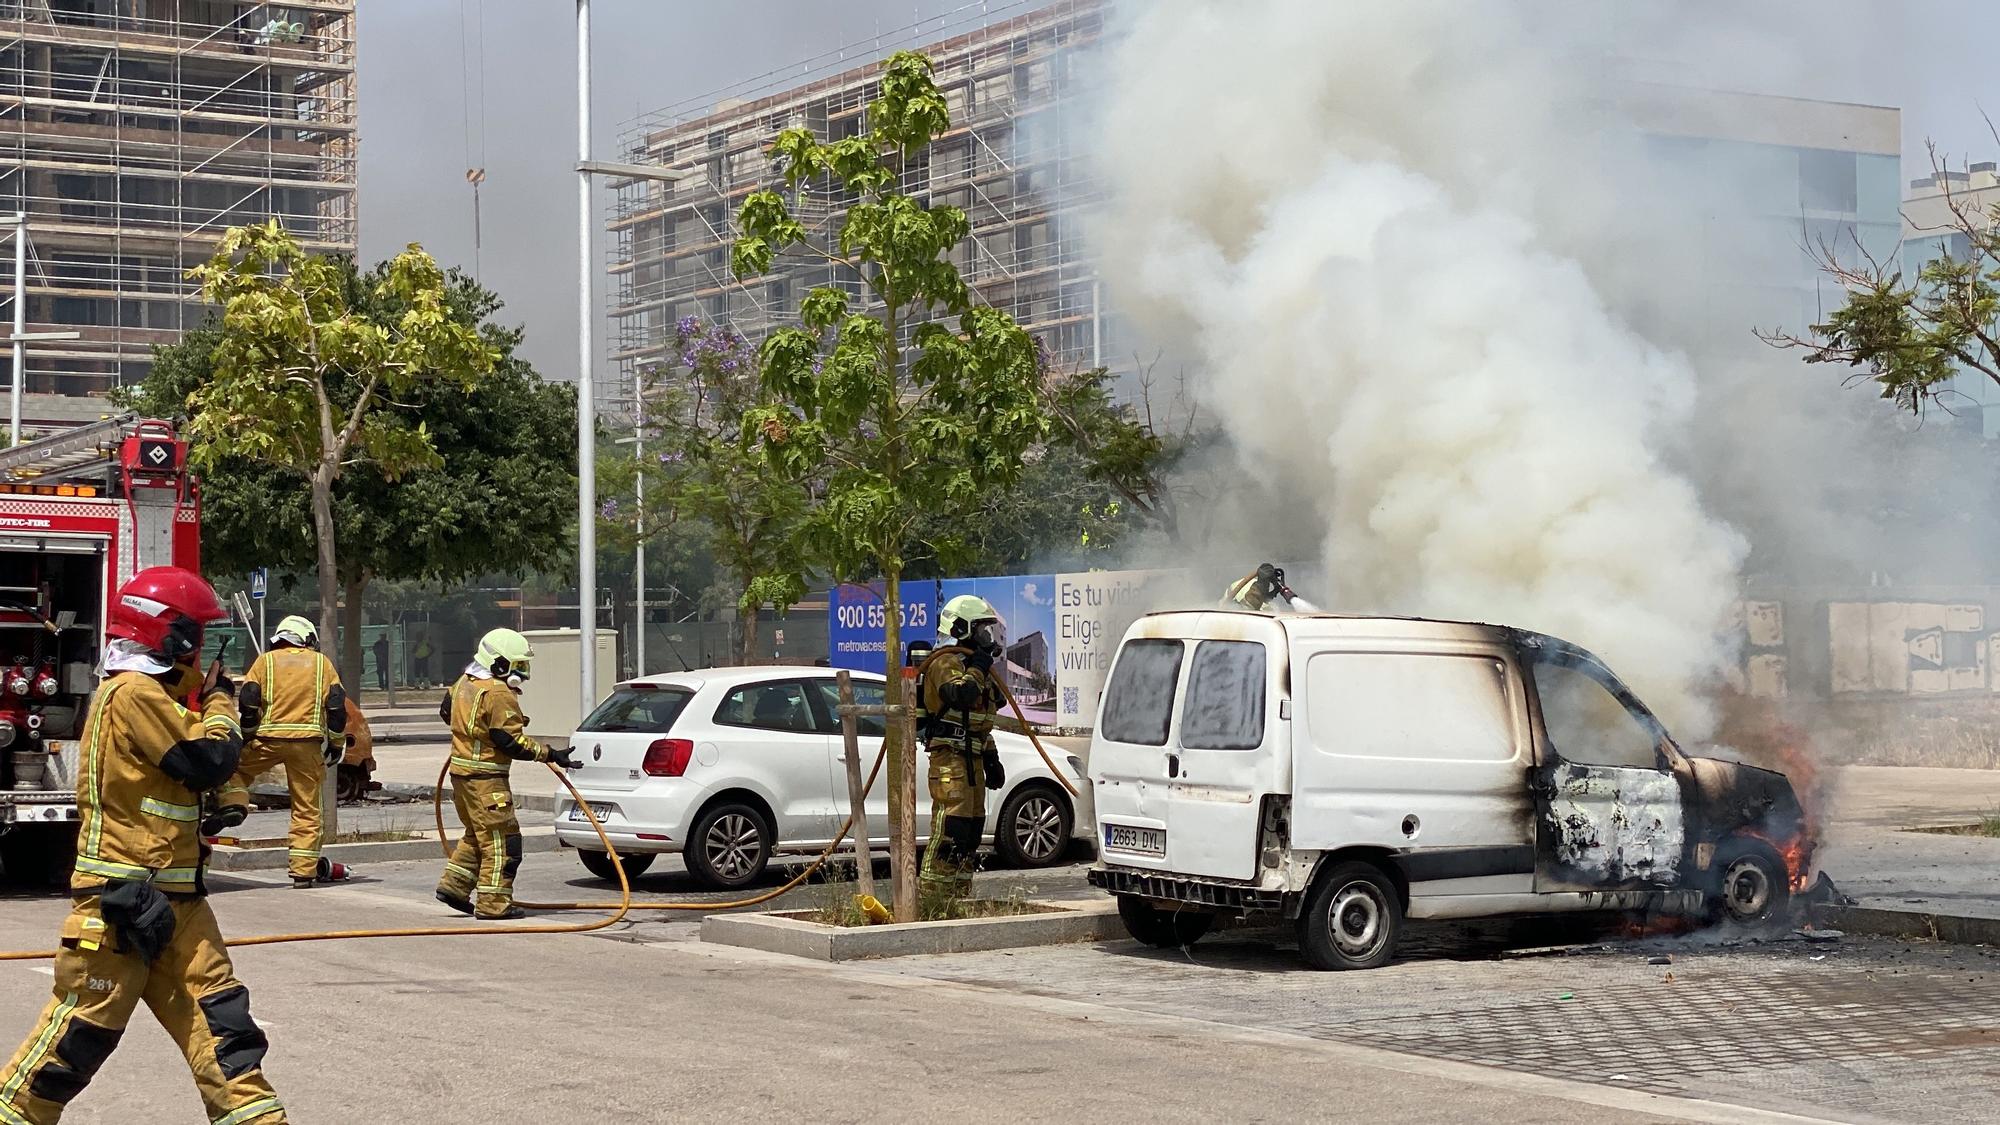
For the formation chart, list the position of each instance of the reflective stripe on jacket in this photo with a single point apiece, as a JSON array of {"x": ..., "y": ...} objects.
[{"x": 137, "y": 822}]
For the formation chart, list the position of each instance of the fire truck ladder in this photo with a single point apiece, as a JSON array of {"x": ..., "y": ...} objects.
[{"x": 84, "y": 450}]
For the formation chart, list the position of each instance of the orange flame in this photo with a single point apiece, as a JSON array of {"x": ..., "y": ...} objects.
[{"x": 1755, "y": 727}]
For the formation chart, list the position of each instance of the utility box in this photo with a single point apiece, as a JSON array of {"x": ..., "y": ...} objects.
[{"x": 549, "y": 697}]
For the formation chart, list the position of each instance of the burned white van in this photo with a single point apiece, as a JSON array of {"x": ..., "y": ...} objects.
[{"x": 1350, "y": 772}]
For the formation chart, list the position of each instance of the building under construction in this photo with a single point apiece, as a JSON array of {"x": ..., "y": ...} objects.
[
  {"x": 132, "y": 134},
  {"x": 1011, "y": 161}
]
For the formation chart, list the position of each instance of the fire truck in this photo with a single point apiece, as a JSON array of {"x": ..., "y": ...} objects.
[{"x": 81, "y": 511}]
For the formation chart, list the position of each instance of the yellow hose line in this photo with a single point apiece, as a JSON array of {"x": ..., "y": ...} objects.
[
  {"x": 437, "y": 807},
  {"x": 621, "y": 907},
  {"x": 1029, "y": 730}
]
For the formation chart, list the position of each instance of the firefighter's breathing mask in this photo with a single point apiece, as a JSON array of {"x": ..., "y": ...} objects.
[{"x": 988, "y": 636}]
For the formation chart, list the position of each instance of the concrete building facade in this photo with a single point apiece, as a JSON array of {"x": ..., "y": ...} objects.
[
  {"x": 1930, "y": 232},
  {"x": 1011, "y": 161},
  {"x": 132, "y": 134}
]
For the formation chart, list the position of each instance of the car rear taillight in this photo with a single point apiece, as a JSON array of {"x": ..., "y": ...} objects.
[{"x": 667, "y": 757}]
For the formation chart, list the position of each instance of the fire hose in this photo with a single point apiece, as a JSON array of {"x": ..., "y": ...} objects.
[
  {"x": 437, "y": 811},
  {"x": 626, "y": 904},
  {"x": 624, "y": 887},
  {"x": 620, "y": 908}
]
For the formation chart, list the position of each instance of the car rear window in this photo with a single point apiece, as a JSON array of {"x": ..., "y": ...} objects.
[
  {"x": 1139, "y": 703},
  {"x": 1225, "y": 699},
  {"x": 638, "y": 711}
]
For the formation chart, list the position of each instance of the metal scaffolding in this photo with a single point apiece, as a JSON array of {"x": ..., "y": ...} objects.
[
  {"x": 134, "y": 132},
  {"x": 1012, "y": 74}
]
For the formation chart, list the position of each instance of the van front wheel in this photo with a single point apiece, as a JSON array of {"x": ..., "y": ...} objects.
[
  {"x": 1352, "y": 918},
  {"x": 1162, "y": 929}
]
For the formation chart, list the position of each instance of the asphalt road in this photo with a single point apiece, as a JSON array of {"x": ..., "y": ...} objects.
[{"x": 644, "y": 1023}]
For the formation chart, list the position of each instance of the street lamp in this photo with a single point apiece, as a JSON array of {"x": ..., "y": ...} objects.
[
  {"x": 21, "y": 336},
  {"x": 586, "y": 403}
]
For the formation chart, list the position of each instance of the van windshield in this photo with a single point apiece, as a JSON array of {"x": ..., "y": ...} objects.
[
  {"x": 638, "y": 710},
  {"x": 1139, "y": 702}
]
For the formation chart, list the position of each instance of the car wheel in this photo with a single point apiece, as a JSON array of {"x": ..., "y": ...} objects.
[
  {"x": 729, "y": 847},
  {"x": 1352, "y": 918},
  {"x": 1162, "y": 929},
  {"x": 1752, "y": 887},
  {"x": 1034, "y": 826},
  {"x": 601, "y": 865}
]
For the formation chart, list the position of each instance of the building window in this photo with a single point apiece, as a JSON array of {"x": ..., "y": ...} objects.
[{"x": 1827, "y": 180}]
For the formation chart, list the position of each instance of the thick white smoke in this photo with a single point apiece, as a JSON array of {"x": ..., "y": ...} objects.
[{"x": 1388, "y": 241}]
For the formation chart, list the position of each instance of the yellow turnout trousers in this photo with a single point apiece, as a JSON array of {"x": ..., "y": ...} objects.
[{"x": 192, "y": 991}]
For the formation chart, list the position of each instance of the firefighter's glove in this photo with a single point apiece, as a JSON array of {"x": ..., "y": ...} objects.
[
  {"x": 223, "y": 684},
  {"x": 331, "y": 751},
  {"x": 140, "y": 915},
  {"x": 979, "y": 660},
  {"x": 996, "y": 776},
  {"x": 566, "y": 758},
  {"x": 250, "y": 707}
]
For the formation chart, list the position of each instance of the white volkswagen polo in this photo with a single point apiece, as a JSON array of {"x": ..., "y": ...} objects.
[{"x": 731, "y": 765}]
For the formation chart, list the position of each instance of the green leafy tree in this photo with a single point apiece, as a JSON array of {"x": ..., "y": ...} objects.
[
  {"x": 1912, "y": 337},
  {"x": 491, "y": 497},
  {"x": 894, "y": 411},
  {"x": 292, "y": 329},
  {"x": 700, "y": 471}
]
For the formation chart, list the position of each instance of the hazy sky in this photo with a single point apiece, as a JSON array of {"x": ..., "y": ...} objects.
[{"x": 419, "y": 58}]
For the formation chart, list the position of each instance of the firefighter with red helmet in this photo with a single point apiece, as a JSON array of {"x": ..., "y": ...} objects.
[{"x": 141, "y": 927}]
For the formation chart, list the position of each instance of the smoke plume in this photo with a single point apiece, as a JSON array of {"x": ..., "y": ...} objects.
[{"x": 1380, "y": 236}]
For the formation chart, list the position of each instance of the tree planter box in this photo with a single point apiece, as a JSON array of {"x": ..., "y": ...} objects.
[{"x": 790, "y": 932}]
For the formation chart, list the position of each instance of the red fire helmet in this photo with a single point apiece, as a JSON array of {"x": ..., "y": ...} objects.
[{"x": 165, "y": 609}]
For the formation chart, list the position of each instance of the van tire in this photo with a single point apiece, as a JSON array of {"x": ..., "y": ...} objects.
[
  {"x": 1162, "y": 929},
  {"x": 1752, "y": 886},
  {"x": 1353, "y": 918},
  {"x": 601, "y": 865}
]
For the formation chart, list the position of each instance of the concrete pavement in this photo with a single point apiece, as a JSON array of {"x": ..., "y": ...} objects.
[
  {"x": 1872, "y": 854},
  {"x": 638, "y": 1024}
]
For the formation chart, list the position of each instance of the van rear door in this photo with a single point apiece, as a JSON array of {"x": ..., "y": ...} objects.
[
  {"x": 1423, "y": 752},
  {"x": 1188, "y": 743}
]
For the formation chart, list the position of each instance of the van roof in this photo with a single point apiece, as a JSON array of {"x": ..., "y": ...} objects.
[{"x": 1206, "y": 622}]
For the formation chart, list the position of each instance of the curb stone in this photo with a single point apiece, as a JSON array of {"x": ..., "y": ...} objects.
[
  {"x": 1959, "y": 929},
  {"x": 1058, "y": 924},
  {"x": 230, "y": 858}
]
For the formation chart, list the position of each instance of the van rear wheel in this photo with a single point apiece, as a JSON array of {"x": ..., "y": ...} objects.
[
  {"x": 1162, "y": 929},
  {"x": 1352, "y": 919}
]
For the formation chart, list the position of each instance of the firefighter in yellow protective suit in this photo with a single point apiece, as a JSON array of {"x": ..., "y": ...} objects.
[
  {"x": 141, "y": 927},
  {"x": 958, "y": 694},
  {"x": 488, "y": 735},
  {"x": 294, "y": 715}
]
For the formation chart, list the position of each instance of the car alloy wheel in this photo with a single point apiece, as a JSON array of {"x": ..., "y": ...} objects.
[
  {"x": 1038, "y": 828},
  {"x": 732, "y": 845}
]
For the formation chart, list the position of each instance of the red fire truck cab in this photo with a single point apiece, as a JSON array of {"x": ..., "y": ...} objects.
[{"x": 80, "y": 513}]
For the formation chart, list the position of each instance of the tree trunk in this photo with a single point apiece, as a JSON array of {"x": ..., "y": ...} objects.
[
  {"x": 746, "y": 631},
  {"x": 902, "y": 755},
  {"x": 329, "y": 574},
  {"x": 351, "y": 664}
]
